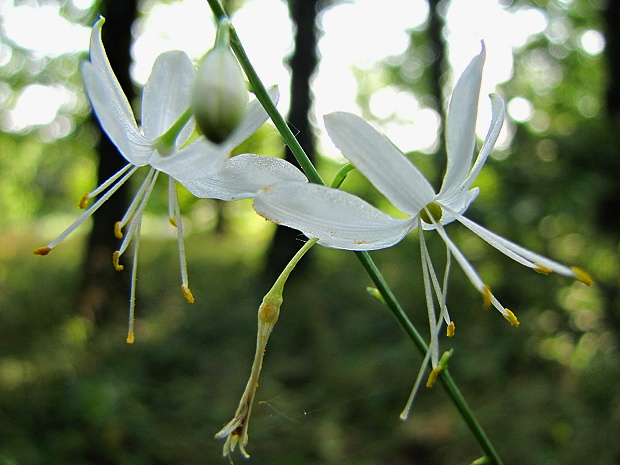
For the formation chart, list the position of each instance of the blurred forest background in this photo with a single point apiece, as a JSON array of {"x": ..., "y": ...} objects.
[{"x": 338, "y": 367}]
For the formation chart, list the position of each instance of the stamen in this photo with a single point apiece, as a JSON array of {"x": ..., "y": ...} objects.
[
  {"x": 414, "y": 391},
  {"x": 174, "y": 213},
  {"x": 148, "y": 180},
  {"x": 582, "y": 276},
  {"x": 433, "y": 376},
  {"x": 187, "y": 294},
  {"x": 538, "y": 268},
  {"x": 136, "y": 218},
  {"x": 42, "y": 250},
  {"x": 486, "y": 294},
  {"x": 512, "y": 319},
  {"x": 115, "y": 261},
  {"x": 118, "y": 230},
  {"x": 93, "y": 208},
  {"x": 132, "y": 292},
  {"x": 450, "y": 329},
  {"x": 83, "y": 203}
]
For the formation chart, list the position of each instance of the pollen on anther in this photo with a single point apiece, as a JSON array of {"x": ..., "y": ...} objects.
[
  {"x": 118, "y": 230},
  {"x": 486, "y": 293},
  {"x": 131, "y": 338},
  {"x": 116, "y": 256},
  {"x": 42, "y": 250},
  {"x": 512, "y": 319},
  {"x": 430, "y": 382},
  {"x": 450, "y": 329},
  {"x": 83, "y": 203},
  {"x": 542, "y": 269},
  {"x": 582, "y": 276},
  {"x": 187, "y": 294}
]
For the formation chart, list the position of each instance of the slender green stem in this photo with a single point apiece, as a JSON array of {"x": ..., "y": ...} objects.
[{"x": 390, "y": 299}]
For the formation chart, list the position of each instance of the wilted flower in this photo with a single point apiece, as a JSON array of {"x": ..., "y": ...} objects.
[{"x": 166, "y": 124}]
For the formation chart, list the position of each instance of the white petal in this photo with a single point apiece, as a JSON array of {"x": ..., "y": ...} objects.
[
  {"x": 255, "y": 117},
  {"x": 497, "y": 120},
  {"x": 166, "y": 95},
  {"x": 110, "y": 112},
  {"x": 199, "y": 159},
  {"x": 100, "y": 60},
  {"x": 386, "y": 167},
  {"x": 243, "y": 176},
  {"x": 338, "y": 219},
  {"x": 461, "y": 124}
]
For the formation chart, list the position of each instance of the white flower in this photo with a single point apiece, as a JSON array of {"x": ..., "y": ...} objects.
[
  {"x": 341, "y": 220},
  {"x": 167, "y": 124}
]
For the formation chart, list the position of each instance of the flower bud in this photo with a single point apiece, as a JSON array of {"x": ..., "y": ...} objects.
[{"x": 220, "y": 93}]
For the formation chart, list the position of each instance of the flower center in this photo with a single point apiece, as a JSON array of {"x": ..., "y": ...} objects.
[{"x": 431, "y": 213}]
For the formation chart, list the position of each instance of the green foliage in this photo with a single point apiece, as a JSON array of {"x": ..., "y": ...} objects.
[{"x": 338, "y": 369}]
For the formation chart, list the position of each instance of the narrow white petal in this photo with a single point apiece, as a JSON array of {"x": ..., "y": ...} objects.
[
  {"x": 100, "y": 61},
  {"x": 199, "y": 159},
  {"x": 497, "y": 120},
  {"x": 166, "y": 95},
  {"x": 120, "y": 128},
  {"x": 518, "y": 253},
  {"x": 243, "y": 176},
  {"x": 461, "y": 123},
  {"x": 338, "y": 219},
  {"x": 386, "y": 167},
  {"x": 255, "y": 117}
]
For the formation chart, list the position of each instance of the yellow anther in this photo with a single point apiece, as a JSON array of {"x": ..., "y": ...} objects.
[
  {"x": 116, "y": 256},
  {"x": 173, "y": 221},
  {"x": 83, "y": 203},
  {"x": 42, "y": 250},
  {"x": 582, "y": 276},
  {"x": 118, "y": 230},
  {"x": 486, "y": 293},
  {"x": 450, "y": 329},
  {"x": 512, "y": 319},
  {"x": 131, "y": 338},
  {"x": 433, "y": 376},
  {"x": 187, "y": 294},
  {"x": 542, "y": 269}
]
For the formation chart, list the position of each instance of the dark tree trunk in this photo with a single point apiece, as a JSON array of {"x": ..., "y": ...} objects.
[
  {"x": 286, "y": 241},
  {"x": 436, "y": 42},
  {"x": 105, "y": 291}
]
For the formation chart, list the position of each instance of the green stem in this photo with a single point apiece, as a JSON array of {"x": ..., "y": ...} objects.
[{"x": 392, "y": 303}]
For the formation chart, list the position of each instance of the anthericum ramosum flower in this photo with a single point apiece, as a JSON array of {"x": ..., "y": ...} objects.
[
  {"x": 220, "y": 92},
  {"x": 166, "y": 124},
  {"x": 341, "y": 220}
]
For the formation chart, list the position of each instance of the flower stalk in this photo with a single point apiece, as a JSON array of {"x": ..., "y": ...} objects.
[{"x": 390, "y": 299}]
